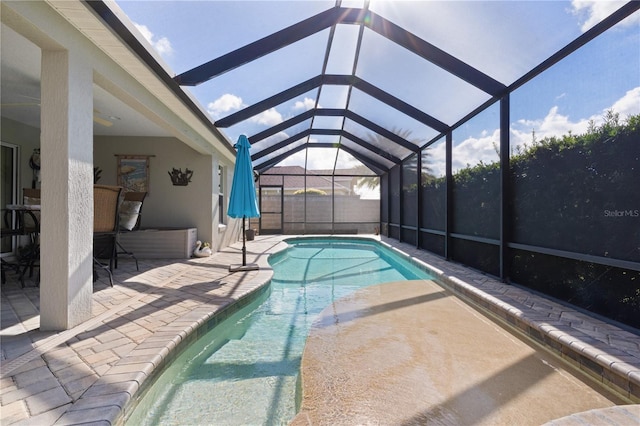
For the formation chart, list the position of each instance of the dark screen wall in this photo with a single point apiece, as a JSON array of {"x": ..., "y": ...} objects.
[{"x": 559, "y": 211}]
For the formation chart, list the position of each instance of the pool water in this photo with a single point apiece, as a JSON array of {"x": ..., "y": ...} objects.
[{"x": 245, "y": 370}]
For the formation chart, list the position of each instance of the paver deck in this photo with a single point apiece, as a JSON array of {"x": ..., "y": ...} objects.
[{"x": 89, "y": 374}]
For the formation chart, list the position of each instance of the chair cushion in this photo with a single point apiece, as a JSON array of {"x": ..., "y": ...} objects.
[
  {"x": 31, "y": 201},
  {"x": 129, "y": 211},
  {"x": 28, "y": 220}
]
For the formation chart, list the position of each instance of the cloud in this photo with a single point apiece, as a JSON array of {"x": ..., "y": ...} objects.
[
  {"x": 436, "y": 160},
  {"x": 483, "y": 148},
  {"x": 320, "y": 162},
  {"x": 274, "y": 139},
  {"x": 306, "y": 104},
  {"x": 468, "y": 152},
  {"x": 557, "y": 124},
  {"x": 161, "y": 45},
  {"x": 229, "y": 103},
  {"x": 224, "y": 104},
  {"x": 473, "y": 150},
  {"x": 595, "y": 11},
  {"x": 270, "y": 141},
  {"x": 326, "y": 161},
  {"x": 553, "y": 124},
  {"x": 296, "y": 159},
  {"x": 270, "y": 117},
  {"x": 346, "y": 161},
  {"x": 629, "y": 104}
]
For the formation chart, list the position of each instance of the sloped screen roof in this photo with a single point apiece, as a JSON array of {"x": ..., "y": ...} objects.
[{"x": 378, "y": 81}]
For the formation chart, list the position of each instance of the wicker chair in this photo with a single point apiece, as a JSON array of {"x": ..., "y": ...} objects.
[
  {"x": 130, "y": 216},
  {"x": 19, "y": 225},
  {"x": 31, "y": 193},
  {"x": 27, "y": 257},
  {"x": 31, "y": 196},
  {"x": 106, "y": 207}
]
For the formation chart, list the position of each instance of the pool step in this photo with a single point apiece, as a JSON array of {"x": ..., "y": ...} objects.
[{"x": 231, "y": 402}]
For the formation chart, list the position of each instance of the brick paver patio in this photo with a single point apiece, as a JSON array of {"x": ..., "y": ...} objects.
[{"x": 90, "y": 373}]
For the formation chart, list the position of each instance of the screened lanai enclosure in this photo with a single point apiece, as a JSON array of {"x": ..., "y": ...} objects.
[{"x": 502, "y": 135}]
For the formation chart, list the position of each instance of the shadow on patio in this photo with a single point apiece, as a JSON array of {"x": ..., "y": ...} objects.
[{"x": 45, "y": 373}]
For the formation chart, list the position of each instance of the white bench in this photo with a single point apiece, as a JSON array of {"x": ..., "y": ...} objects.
[{"x": 160, "y": 243}]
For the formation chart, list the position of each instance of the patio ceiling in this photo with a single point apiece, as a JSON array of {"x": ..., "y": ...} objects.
[
  {"x": 169, "y": 111},
  {"x": 364, "y": 103}
]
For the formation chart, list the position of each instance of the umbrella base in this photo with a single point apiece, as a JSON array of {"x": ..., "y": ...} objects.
[{"x": 247, "y": 267}]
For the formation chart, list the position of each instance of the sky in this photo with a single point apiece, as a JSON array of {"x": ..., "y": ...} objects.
[{"x": 503, "y": 39}]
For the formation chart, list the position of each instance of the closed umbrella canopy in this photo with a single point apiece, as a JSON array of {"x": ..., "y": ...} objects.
[
  {"x": 243, "y": 190},
  {"x": 243, "y": 195}
]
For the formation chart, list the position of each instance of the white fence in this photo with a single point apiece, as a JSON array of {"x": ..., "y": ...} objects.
[{"x": 320, "y": 214}]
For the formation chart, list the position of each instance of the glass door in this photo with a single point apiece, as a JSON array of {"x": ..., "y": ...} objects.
[{"x": 8, "y": 192}]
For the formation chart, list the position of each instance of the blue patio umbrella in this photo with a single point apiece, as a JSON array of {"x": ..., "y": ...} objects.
[{"x": 242, "y": 203}]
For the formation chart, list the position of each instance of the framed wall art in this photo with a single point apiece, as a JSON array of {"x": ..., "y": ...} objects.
[{"x": 133, "y": 172}]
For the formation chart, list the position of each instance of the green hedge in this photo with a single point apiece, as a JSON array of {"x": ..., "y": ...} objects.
[{"x": 577, "y": 193}]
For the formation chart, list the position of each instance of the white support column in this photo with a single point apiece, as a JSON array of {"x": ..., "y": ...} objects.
[
  {"x": 215, "y": 197},
  {"x": 215, "y": 184},
  {"x": 66, "y": 284}
]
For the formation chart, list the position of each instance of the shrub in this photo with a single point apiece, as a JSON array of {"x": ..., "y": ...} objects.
[
  {"x": 576, "y": 193},
  {"x": 310, "y": 191}
]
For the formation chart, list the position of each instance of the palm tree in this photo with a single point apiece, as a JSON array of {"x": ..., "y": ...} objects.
[{"x": 371, "y": 182}]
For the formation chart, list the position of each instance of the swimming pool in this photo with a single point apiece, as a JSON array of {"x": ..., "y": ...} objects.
[{"x": 245, "y": 370}]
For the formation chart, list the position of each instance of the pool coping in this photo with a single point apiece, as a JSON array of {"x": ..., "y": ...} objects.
[
  {"x": 606, "y": 352},
  {"x": 557, "y": 327},
  {"x": 200, "y": 327},
  {"x": 613, "y": 367}
]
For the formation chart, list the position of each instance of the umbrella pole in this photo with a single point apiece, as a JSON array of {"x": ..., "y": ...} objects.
[{"x": 244, "y": 247}]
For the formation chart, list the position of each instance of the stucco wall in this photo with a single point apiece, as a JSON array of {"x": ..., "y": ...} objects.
[
  {"x": 166, "y": 205},
  {"x": 27, "y": 138}
]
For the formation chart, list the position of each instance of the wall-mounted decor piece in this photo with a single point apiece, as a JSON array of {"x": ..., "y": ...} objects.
[
  {"x": 180, "y": 178},
  {"x": 97, "y": 172},
  {"x": 133, "y": 172},
  {"x": 34, "y": 163}
]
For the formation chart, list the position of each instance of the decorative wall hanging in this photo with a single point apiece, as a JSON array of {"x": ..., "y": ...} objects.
[
  {"x": 34, "y": 164},
  {"x": 180, "y": 178},
  {"x": 133, "y": 172},
  {"x": 97, "y": 172}
]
